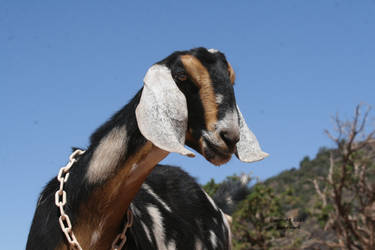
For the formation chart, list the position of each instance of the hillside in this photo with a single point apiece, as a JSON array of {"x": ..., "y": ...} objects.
[
  {"x": 285, "y": 211},
  {"x": 300, "y": 180},
  {"x": 298, "y": 206},
  {"x": 305, "y": 199}
]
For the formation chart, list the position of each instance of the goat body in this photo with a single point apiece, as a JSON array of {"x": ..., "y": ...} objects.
[
  {"x": 187, "y": 98},
  {"x": 170, "y": 210}
]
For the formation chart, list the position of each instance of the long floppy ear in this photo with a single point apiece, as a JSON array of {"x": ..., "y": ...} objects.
[
  {"x": 162, "y": 111},
  {"x": 248, "y": 149}
]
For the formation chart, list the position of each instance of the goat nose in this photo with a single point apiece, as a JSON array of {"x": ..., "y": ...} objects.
[{"x": 230, "y": 137}]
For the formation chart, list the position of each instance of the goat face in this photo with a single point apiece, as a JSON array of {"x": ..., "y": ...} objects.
[{"x": 188, "y": 98}]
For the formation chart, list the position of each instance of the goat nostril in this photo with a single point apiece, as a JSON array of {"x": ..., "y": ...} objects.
[{"x": 230, "y": 138}]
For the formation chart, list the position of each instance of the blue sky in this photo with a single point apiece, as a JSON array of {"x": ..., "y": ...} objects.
[{"x": 66, "y": 66}]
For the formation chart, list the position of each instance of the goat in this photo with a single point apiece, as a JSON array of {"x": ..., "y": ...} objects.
[{"x": 187, "y": 98}]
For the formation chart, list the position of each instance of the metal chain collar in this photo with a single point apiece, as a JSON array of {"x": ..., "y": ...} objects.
[
  {"x": 120, "y": 239},
  {"x": 64, "y": 220}
]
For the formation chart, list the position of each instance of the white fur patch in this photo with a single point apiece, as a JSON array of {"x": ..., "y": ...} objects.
[
  {"x": 198, "y": 245},
  {"x": 95, "y": 237},
  {"x": 213, "y": 51},
  {"x": 135, "y": 210},
  {"x": 97, "y": 233},
  {"x": 171, "y": 245},
  {"x": 228, "y": 229},
  {"x": 157, "y": 227},
  {"x": 229, "y": 122},
  {"x": 134, "y": 166},
  {"x": 150, "y": 191},
  {"x": 213, "y": 239},
  {"x": 107, "y": 155},
  {"x": 147, "y": 231},
  {"x": 210, "y": 200}
]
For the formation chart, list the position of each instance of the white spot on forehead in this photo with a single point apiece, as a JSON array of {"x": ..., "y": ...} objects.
[
  {"x": 150, "y": 191},
  {"x": 219, "y": 98},
  {"x": 107, "y": 155},
  {"x": 157, "y": 226},
  {"x": 213, "y": 51},
  {"x": 213, "y": 239}
]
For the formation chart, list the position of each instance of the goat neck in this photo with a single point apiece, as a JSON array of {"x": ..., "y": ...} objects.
[{"x": 114, "y": 167}]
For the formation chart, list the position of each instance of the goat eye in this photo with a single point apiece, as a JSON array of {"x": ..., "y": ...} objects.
[{"x": 181, "y": 76}]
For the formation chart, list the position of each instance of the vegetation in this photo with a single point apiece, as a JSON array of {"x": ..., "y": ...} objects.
[
  {"x": 348, "y": 198},
  {"x": 258, "y": 219},
  {"x": 326, "y": 203}
]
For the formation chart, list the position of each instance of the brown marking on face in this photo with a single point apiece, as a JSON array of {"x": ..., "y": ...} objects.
[
  {"x": 201, "y": 78},
  {"x": 232, "y": 75},
  {"x": 103, "y": 212}
]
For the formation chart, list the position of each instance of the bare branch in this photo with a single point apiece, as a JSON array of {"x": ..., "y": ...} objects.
[
  {"x": 354, "y": 124},
  {"x": 322, "y": 196},
  {"x": 335, "y": 139},
  {"x": 331, "y": 165},
  {"x": 364, "y": 119},
  {"x": 350, "y": 192}
]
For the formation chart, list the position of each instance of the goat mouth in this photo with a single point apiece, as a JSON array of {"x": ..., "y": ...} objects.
[{"x": 215, "y": 154}]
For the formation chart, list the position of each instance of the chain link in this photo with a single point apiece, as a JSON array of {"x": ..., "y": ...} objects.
[
  {"x": 120, "y": 239},
  {"x": 64, "y": 220},
  {"x": 60, "y": 201}
]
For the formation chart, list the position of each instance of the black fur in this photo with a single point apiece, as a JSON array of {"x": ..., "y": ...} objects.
[
  {"x": 230, "y": 193},
  {"x": 192, "y": 217}
]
